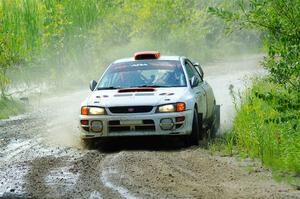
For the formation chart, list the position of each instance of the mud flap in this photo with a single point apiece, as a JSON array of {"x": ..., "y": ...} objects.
[
  {"x": 201, "y": 127},
  {"x": 216, "y": 122}
]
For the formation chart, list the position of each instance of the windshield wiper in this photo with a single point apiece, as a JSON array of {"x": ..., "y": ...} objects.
[
  {"x": 108, "y": 88},
  {"x": 159, "y": 86}
]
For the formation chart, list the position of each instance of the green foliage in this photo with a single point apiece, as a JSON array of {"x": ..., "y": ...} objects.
[
  {"x": 7, "y": 58},
  {"x": 175, "y": 27},
  {"x": 225, "y": 144},
  {"x": 10, "y": 107},
  {"x": 267, "y": 126},
  {"x": 280, "y": 21}
]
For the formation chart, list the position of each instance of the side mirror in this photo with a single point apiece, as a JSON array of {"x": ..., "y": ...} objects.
[
  {"x": 194, "y": 82},
  {"x": 93, "y": 85}
]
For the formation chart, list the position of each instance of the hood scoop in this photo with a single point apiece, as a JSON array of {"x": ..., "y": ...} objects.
[{"x": 138, "y": 89}]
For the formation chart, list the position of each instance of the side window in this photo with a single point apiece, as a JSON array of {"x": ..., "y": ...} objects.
[
  {"x": 192, "y": 71},
  {"x": 189, "y": 70}
]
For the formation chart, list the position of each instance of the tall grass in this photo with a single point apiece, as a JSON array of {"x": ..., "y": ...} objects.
[
  {"x": 47, "y": 38},
  {"x": 23, "y": 21},
  {"x": 267, "y": 126}
]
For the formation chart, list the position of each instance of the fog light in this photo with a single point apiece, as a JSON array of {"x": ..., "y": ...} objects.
[
  {"x": 96, "y": 126},
  {"x": 84, "y": 122},
  {"x": 180, "y": 119},
  {"x": 166, "y": 124}
]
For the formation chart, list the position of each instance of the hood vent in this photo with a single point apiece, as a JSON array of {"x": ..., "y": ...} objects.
[{"x": 128, "y": 90}]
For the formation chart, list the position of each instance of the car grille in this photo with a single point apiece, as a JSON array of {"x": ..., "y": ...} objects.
[
  {"x": 130, "y": 109},
  {"x": 115, "y": 126}
]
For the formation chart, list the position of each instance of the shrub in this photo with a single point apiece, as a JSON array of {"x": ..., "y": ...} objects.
[{"x": 267, "y": 125}]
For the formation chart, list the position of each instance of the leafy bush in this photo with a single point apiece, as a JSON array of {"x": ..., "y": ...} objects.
[{"x": 267, "y": 126}]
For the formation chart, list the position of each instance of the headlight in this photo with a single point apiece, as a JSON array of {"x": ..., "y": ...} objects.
[
  {"x": 167, "y": 108},
  {"x": 92, "y": 110},
  {"x": 96, "y": 111}
]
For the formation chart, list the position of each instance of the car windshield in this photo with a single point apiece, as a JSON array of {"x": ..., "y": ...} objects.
[{"x": 143, "y": 73}]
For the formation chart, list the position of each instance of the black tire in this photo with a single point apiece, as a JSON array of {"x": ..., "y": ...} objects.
[
  {"x": 193, "y": 138},
  {"x": 87, "y": 143}
]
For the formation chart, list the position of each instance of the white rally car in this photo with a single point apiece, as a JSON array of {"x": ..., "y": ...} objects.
[{"x": 149, "y": 95}]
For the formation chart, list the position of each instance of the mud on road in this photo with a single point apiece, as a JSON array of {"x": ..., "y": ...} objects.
[{"x": 41, "y": 156}]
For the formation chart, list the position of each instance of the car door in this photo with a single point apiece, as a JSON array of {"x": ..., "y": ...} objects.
[
  {"x": 210, "y": 98},
  {"x": 198, "y": 91}
]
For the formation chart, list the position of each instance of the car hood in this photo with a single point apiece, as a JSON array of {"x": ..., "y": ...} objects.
[{"x": 110, "y": 98}]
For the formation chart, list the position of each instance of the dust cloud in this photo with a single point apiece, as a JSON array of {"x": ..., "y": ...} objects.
[
  {"x": 60, "y": 118},
  {"x": 238, "y": 74}
]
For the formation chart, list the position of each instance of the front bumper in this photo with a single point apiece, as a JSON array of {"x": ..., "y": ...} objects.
[{"x": 136, "y": 124}]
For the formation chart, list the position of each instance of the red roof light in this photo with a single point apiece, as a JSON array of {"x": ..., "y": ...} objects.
[{"x": 146, "y": 55}]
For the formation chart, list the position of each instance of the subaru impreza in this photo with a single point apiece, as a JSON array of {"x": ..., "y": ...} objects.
[{"x": 150, "y": 95}]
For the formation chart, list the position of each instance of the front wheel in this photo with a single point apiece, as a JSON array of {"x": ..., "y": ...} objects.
[
  {"x": 193, "y": 138},
  {"x": 87, "y": 143}
]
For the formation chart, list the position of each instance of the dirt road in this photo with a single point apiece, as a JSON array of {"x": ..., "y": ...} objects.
[{"x": 41, "y": 156}]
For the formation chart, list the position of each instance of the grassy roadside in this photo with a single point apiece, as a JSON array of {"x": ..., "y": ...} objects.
[
  {"x": 10, "y": 107},
  {"x": 267, "y": 127}
]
